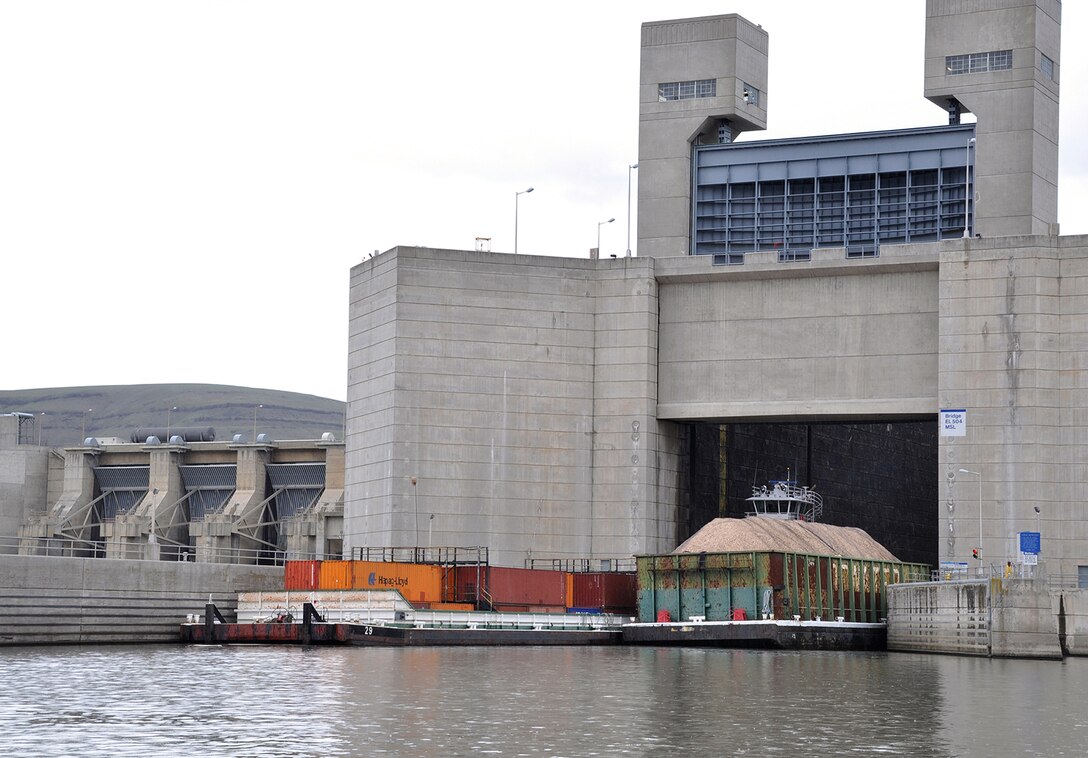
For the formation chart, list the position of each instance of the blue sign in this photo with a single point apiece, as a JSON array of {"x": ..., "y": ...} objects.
[{"x": 1030, "y": 543}]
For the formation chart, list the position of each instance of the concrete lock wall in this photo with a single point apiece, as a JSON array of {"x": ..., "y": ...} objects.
[
  {"x": 508, "y": 401},
  {"x": 1071, "y": 607},
  {"x": 1003, "y": 618},
  {"x": 47, "y": 600},
  {"x": 830, "y": 337}
]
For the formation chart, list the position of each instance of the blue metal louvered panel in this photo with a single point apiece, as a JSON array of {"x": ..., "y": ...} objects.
[
  {"x": 122, "y": 487},
  {"x": 209, "y": 487},
  {"x": 301, "y": 485},
  {"x": 296, "y": 475},
  {"x": 856, "y": 191}
]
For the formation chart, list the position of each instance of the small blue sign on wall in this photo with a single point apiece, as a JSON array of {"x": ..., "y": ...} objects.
[{"x": 1030, "y": 543}]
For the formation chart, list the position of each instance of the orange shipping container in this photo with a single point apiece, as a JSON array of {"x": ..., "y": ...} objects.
[
  {"x": 418, "y": 583},
  {"x": 301, "y": 575},
  {"x": 335, "y": 575}
]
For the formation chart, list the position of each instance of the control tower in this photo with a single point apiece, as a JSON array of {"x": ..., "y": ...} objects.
[
  {"x": 999, "y": 59},
  {"x": 703, "y": 81}
]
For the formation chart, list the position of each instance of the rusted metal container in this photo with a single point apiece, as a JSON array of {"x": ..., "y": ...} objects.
[
  {"x": 335, "y": 575},
  {"x": 451, "y": 606},
  {"x": 418, "y": 583},
  {"x": 517, "y": 586},
  {"x": 614, "y": 592},
  {"x": 301, "y": 575},
  {"x": 768, "y": 585}
]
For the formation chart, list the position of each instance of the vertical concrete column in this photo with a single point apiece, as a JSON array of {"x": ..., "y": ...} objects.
[
  {"x": 1001, "y": 361},
  {"x": 71, "y": 515},
  {"x": 636, "y": 458},
  {"x": 229, "y": 536},
  {"x": 139, "y": 534}
]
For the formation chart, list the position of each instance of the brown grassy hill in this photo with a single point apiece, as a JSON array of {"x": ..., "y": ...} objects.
[{"x": 118, "y": 410}]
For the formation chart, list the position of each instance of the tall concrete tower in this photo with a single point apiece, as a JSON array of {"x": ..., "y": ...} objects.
[
  {"x": 999, "y": 59},
  {"x": 703, "y": 80}
]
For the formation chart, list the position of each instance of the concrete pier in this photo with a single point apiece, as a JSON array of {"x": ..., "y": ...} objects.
[
  {"x": 50, "y": 600},
  {"x": 994, "y": 617}
]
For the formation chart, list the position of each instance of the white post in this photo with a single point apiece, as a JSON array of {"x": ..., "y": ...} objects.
[
  {"x": 632, "y": 166},
  {"x": 967, "y": 190}
]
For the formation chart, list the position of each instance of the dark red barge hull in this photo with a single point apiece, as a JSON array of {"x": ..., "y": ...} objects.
[{"x": 387, "y": 636}]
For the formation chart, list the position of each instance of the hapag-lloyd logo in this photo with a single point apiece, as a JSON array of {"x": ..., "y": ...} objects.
[{"x": 386, "y": 581}]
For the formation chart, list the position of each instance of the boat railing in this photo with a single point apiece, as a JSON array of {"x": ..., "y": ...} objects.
[{"x": 387, "y": 608}]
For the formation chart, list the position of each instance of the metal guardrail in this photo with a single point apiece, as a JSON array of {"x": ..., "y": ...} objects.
[
  {"x": 583, "y": 565},
  {"x": 439, "y": 556},
  {"x": 73, "y": 548}
]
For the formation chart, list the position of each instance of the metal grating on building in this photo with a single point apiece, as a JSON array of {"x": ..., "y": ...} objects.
[
  {"x": 855, "y": 191},
  {"x": 209, "y": 487},
  {"x": 297, "y": 486},
  {"x": 122, "y": 488}
]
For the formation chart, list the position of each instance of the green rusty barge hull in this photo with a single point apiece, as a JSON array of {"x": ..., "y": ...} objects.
[{"x": 769, "y": 634}]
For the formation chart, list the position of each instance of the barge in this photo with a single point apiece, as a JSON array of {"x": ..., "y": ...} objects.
[{"x": 377, "y": 618}]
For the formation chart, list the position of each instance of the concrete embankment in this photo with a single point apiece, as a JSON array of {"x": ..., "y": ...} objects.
[
  {"x": 1001, "y": 618},
  {"x": 50, "y": 600}
]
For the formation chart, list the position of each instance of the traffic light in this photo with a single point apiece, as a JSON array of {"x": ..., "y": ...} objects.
[{"x": 974, "y": 554}]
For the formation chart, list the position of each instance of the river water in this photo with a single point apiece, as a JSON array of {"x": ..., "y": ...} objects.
[{"x": 532, "y": 701}]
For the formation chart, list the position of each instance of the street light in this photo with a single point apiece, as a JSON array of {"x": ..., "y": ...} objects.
[
  {"x": 415, "y": 498},
  {"x": 629, "y": 169},
  {"x": 41, "y": 423},
  {"x": 967, "y": 199},
  {"x": 599, "y": 225},
  {"x": 976, "y": 473},
  {"x": 516, "y": 196},
  {"x": 83, "y": 427},
  {"x": 255, "y": 423},
  {"x": 168, "y": 411}
]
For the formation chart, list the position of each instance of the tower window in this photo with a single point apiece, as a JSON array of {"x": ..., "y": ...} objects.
[
  {"x": 687, "y": 90},
  {"x": 751, "y": 94},
  {"x": 1047, "y": 66},
  {"x": 977, "y": 63}
]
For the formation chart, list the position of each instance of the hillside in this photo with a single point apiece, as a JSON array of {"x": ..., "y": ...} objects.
[{"x": 117, "y": 411}]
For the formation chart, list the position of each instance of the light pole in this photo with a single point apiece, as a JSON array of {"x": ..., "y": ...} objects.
[
  {"x": 967, "y": 197},
  {"x": 41, "y": 423},
  {"x": 83, "y": 427},
  {"x": 415, "y": 498},
  {"x": 599, "y": 225},
  {"x": 629, "y": 169},
  {"x": 168, "y": 412},
  {"x": 516, "y": 196},
  {"x": 430, "y": 525},
  {"x": 255, "y": 423},
  {"x": 979, "y": 475}
]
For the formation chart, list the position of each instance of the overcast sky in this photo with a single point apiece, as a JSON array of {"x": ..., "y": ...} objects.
[{"x": 185, "y": 186}]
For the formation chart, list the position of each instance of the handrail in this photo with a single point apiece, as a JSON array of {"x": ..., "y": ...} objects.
[{"x": 78, "y": 548}]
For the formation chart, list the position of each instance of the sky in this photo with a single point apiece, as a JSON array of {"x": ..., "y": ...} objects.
[{"x": 185, "y": 186}]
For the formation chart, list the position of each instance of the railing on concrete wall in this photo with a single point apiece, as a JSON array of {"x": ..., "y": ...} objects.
[{"x": 64, "y": 547}]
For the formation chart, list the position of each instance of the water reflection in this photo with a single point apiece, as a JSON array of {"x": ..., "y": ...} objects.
[{"x": 242, "y": 701}]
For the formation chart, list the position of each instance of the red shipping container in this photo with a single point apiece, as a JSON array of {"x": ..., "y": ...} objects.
[
  {"x": 301, "y": 575},
  {"x": 515, "y": 586},
  {"x": 609, "y": 591}
]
